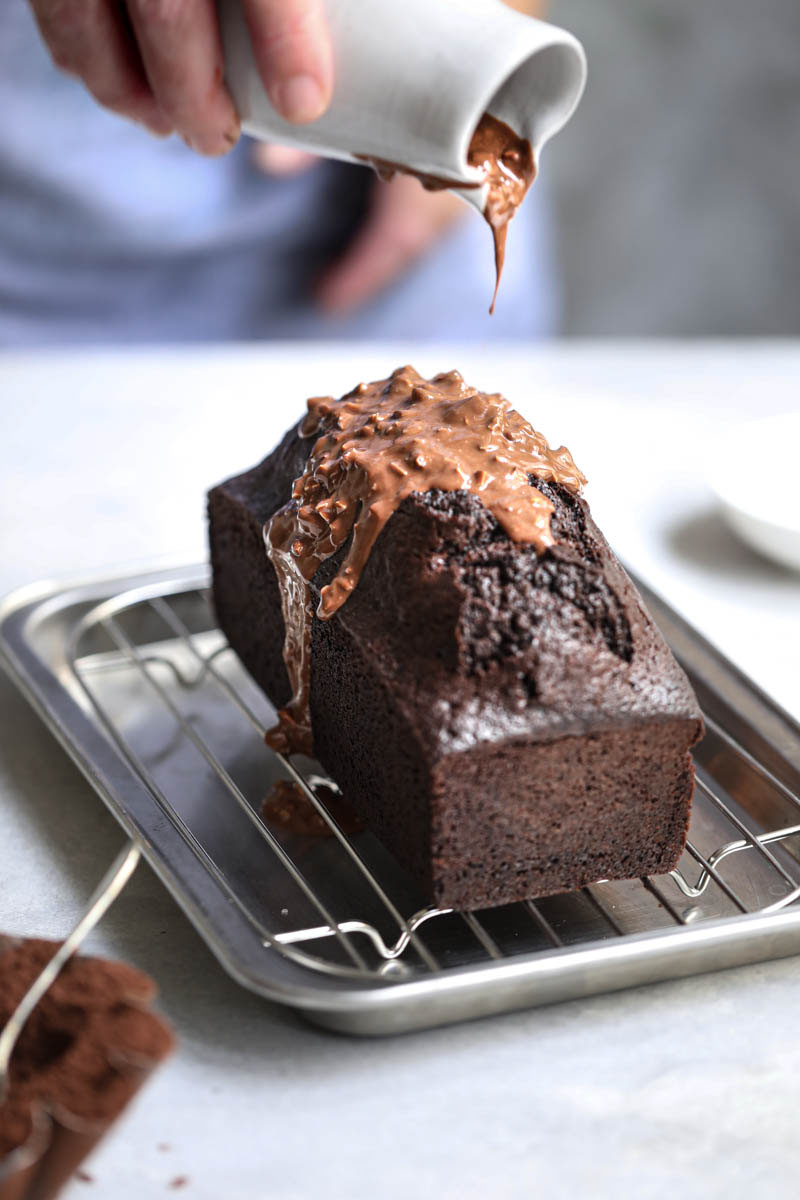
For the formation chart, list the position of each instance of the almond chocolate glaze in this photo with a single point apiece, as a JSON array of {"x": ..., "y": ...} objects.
[
  {"x": 374, "y": 447},
  {"x": 505, "y": 161}
]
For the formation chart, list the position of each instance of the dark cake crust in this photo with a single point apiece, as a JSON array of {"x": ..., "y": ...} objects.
[{"x": 510, "y": 724}]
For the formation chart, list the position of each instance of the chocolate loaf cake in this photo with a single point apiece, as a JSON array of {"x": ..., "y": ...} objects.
[
  {"x": 465, "y": 655},
  {"x": 85, "y": 1050}
]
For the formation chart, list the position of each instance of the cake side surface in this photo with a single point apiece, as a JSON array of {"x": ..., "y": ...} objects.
[{"x": 629, "y": 795}]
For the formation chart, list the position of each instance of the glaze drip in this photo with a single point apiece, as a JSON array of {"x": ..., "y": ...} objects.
[
  {"x": 287, "y": 807},
  {"x": 374, "y": 447},
  {"x": 506, "y": 162},
  {"x": 507, "y": 170}
]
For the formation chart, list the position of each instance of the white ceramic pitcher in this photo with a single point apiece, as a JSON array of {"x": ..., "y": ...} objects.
[{"x": 412, "y": 78}]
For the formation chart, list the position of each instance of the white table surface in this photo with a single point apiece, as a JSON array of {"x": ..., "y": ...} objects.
[{"x": 687, "y": 1088}]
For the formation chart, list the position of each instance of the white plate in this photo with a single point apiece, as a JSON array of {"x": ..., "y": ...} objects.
[{"x": 755, "y": 474}]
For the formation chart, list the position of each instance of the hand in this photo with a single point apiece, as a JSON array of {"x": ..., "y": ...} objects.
[
  {"x": 403, "y": 222},
  {"x": 159, "y": 62}
]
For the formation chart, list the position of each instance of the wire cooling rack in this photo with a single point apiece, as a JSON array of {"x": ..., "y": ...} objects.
[{"x": 139, "y": 684}]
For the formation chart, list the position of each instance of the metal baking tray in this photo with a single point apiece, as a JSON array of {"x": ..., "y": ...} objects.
[{"x": 137, "y": 683}]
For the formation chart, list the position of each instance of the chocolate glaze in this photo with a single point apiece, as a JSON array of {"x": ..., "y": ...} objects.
[
  {"x": 374, "y": 447},
  {"x": 287, "y": 807},
  {"x": 505, "y": 161},
  {"x": 386, "y": 169}
]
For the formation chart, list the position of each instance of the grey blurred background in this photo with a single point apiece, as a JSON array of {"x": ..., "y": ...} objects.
[{"x": 677, "y": 184}]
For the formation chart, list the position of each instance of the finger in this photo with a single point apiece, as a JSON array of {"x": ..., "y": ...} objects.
[
  {"x": 89, "y": 39},
  {"x": 292, "y": 48},
  {"x": 403, "y": 222},
  {"x": 275, "y": 159},
  {"x": 181, "y": 49}
]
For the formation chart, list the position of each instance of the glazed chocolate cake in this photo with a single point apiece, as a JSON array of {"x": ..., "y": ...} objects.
[
  {"x": 466, "y": 656},
  {"x": 84, "y": 1051}
]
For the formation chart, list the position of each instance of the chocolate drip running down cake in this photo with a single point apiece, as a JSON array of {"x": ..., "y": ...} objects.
[
  {"x": 461, "y": 650},
  {"x": 85, "y": 1050}
]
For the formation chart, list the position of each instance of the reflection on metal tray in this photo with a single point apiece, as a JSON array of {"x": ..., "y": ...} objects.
[{"x": 137, "y": 683}]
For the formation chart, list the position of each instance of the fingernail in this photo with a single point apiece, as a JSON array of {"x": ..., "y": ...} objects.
[
  {"x": 299, "y": 99},
  {"x": 211, "y": 145}
]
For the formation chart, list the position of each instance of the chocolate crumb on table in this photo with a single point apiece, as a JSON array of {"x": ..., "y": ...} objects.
[{"x": 85, "y": 1050}]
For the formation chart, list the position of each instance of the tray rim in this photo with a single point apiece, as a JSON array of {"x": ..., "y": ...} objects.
[{"x": 375, "y": 1006}]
